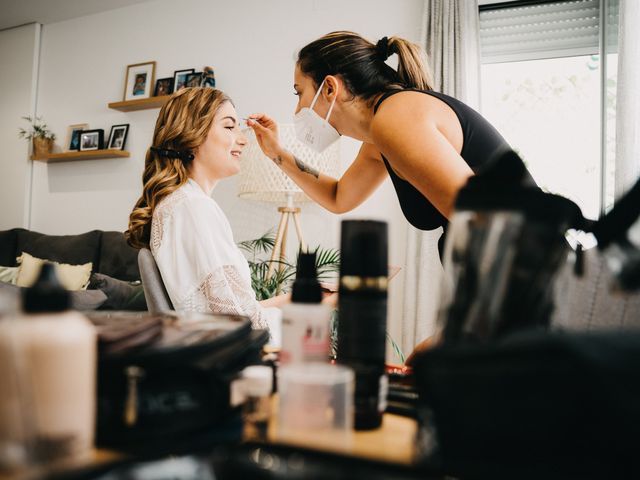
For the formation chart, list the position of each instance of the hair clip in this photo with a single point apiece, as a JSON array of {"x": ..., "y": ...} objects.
[{"x": 169, "y": 153}]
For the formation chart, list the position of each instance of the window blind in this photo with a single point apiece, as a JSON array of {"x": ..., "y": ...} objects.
[{"x": 530, "y": 30}]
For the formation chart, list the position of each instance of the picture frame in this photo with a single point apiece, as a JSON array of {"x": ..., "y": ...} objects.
[
  {"x": 208, "y": 78},
  {"x": 140, "y": 80},
  {"x": 180, "y": 77},
  {"x": 193, "y": 79},
  {"x": 118, "y": 136},
  {"x": 73, "y": 136},
  {"x": 91, "y": 140},
  {"x": 164, "y": 86}
]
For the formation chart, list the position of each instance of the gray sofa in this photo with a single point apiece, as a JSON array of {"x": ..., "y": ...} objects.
[{"x": 115, "y": 264}]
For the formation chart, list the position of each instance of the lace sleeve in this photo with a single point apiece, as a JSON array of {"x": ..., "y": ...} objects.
[{"x": 223, "y": 291}]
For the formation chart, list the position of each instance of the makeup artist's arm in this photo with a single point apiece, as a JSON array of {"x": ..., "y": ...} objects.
[{"x": 361, "y": 179}]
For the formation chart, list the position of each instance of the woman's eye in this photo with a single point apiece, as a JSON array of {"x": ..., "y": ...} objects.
[{"x": 230, "y": 128}]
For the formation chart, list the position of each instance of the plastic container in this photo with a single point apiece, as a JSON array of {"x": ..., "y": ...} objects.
[{"x": 316, "y": 403}]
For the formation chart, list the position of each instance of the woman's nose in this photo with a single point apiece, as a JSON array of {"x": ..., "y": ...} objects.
[{"x": 242, "y": 139}]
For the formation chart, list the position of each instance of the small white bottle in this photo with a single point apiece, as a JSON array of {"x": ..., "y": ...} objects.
[
  {"x": 305, "y": 321},
  {"x": 256, "y": 385}
]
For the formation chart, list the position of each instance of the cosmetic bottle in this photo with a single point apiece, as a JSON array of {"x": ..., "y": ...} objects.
[
  {"x": 257, "y": 386},
  {"x": 57, "y": 347},
  {"x": 362, "y": 315},
  {"x": 305, "y": 321}
]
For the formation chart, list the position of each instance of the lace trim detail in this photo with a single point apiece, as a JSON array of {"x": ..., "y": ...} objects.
[
  {"x": 223, "y": 291},
  {"x": 162, "y": 214}
]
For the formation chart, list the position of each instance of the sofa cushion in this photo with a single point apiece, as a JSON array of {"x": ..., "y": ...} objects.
[
  {"x": 71, "y": 249},
  {"x": 117, "y": 258},
  {"x": 9, "y": 274},
  {"x": 8, "y": 242},
  {"x": 80, "y": 300},
  {"x": 120, "y": 295},
  {"x": 72, "y": 277}
]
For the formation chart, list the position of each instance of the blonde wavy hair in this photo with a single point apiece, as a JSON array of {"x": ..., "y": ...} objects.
[{"x": 182, "y": 126}]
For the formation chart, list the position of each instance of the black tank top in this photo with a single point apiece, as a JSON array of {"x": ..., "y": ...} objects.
[{"x": 480, "y": 142}]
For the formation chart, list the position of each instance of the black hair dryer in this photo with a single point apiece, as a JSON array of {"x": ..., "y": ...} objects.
[{"x": 505, "y": 245}]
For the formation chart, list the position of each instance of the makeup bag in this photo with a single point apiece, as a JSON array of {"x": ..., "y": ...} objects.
[{"x": 164, "y": 380}]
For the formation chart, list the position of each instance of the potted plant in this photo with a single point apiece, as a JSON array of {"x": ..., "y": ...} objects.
[
  {"x": 327, "y": 264},
  {"x": 39, "y": 134}
]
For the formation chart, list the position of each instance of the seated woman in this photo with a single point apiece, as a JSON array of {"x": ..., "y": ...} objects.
[{"x": 196, "y": 142}]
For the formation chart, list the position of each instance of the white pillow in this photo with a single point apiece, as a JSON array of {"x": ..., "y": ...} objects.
[
  {"x": 72, "y": 277},
  {"x": 8, "y": 274}
]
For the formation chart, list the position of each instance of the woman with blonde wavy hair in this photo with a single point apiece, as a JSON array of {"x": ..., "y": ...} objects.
[{"x": 196, "y": 142}]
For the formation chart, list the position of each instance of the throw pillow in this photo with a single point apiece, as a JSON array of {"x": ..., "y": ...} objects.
[
  {"x": 80, "y": 300},
  {"x": 120, "y": 295},
  {"x": 8, "y": 274},
  {"x": 72, "y": 277}
]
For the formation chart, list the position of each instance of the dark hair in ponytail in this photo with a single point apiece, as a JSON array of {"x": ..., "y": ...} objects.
[{"x": 361, "y": 64}]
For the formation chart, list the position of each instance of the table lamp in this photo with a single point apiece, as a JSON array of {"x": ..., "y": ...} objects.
[{"x": 260, "y": 179}]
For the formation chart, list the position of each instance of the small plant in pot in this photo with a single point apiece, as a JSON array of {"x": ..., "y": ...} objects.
[{"x": 39, "y": 134}]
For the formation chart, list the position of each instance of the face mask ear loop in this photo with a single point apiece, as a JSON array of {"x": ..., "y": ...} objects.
[
  {"x": 315, "y": 98},
  {"x": 331, "y": 107}
]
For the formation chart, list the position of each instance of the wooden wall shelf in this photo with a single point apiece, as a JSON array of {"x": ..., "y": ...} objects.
[
  {"x": 142, "y": 104},
  {"x": 84, "y": 155}
]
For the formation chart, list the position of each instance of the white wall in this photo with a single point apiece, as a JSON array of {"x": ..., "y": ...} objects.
[
  {"x": 252, "y": 46},
  {"x": 18, "y": 56}
]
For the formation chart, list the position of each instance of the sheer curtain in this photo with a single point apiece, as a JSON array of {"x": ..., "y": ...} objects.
[
  {"x": 627, "y": 167},
  {"x": 451, "y": 37}
]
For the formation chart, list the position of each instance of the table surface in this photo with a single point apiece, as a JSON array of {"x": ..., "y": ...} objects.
[{"x": 394, "y": 442}]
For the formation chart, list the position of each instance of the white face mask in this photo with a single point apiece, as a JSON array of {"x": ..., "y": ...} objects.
[{"x": 312, "y": 129}]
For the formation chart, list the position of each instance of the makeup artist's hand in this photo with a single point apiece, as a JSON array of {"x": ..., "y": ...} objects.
[{"x": 266, "y": 130}]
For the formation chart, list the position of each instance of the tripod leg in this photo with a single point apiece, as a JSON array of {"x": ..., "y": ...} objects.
[
  {"x": 296, "y": 221},
  {"x": 276, "y": 246}
]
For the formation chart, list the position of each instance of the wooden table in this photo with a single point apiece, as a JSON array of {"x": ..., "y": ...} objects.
[{"x": 394, "y": 442}]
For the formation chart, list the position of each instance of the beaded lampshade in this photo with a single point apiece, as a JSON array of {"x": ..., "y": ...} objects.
[{"x": 260, "y": 179}]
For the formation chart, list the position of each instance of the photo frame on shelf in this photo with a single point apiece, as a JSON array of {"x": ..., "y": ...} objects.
[
  {"x": 193, "y": 79},
  {"x": 180, "y": 78},
  {"x": 73, "y": 136},
  {"x": 208, "y": 78},
  {"x": 118, "y": 136},
  {"x": 164, "y": 86},
  {"x": 140, "y": 80},
  {"x": 91, "y": 140}
]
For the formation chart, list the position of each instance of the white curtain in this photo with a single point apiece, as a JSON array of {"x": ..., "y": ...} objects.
[
  {"x": 628, "y": 98},
  {"x": 451, "y": 37}
]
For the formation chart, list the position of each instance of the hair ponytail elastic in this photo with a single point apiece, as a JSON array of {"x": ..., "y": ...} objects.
[
  {"x": 382, "y": 48},
  {"x": 169, "y": 153}
]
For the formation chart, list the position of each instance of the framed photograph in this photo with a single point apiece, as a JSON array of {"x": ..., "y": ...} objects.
[
  {"x": 193, "y": 79},
  {"x": 180, "y": 78},
  {"x": 91, "y": 140},
  {"x": 208, "y": 78},
  {"x": 118, "y": 136},
  {"x": 164, "y": 86},
  {"x": 73, "y": 135},
  {"x": 140, "y": 80}
]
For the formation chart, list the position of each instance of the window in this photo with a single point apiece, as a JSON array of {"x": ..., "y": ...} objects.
[{"x": 545, "y": 87}]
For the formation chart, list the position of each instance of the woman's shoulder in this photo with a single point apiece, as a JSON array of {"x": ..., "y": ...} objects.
[{"x": 185, "y": 197}]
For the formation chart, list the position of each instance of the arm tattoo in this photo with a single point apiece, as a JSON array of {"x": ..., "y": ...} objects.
[
  {"x": 305, "y": 168},
  {"x": 277, "y": 160}
]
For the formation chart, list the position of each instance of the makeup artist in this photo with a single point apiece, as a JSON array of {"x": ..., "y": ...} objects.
[{"x": 427, "y": 142}]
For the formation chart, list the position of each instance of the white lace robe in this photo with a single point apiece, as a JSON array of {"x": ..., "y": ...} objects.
[{"x": 202, "y": 268}]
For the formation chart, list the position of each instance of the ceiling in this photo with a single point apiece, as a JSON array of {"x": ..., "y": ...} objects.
[{"x": 20, "y": 12}]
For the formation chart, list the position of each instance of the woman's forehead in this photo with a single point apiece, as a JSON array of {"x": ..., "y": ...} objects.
[{"x": 226, "y": 110}]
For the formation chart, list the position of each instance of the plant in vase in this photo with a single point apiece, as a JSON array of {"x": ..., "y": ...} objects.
[{"x": 39, "y": 134}]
